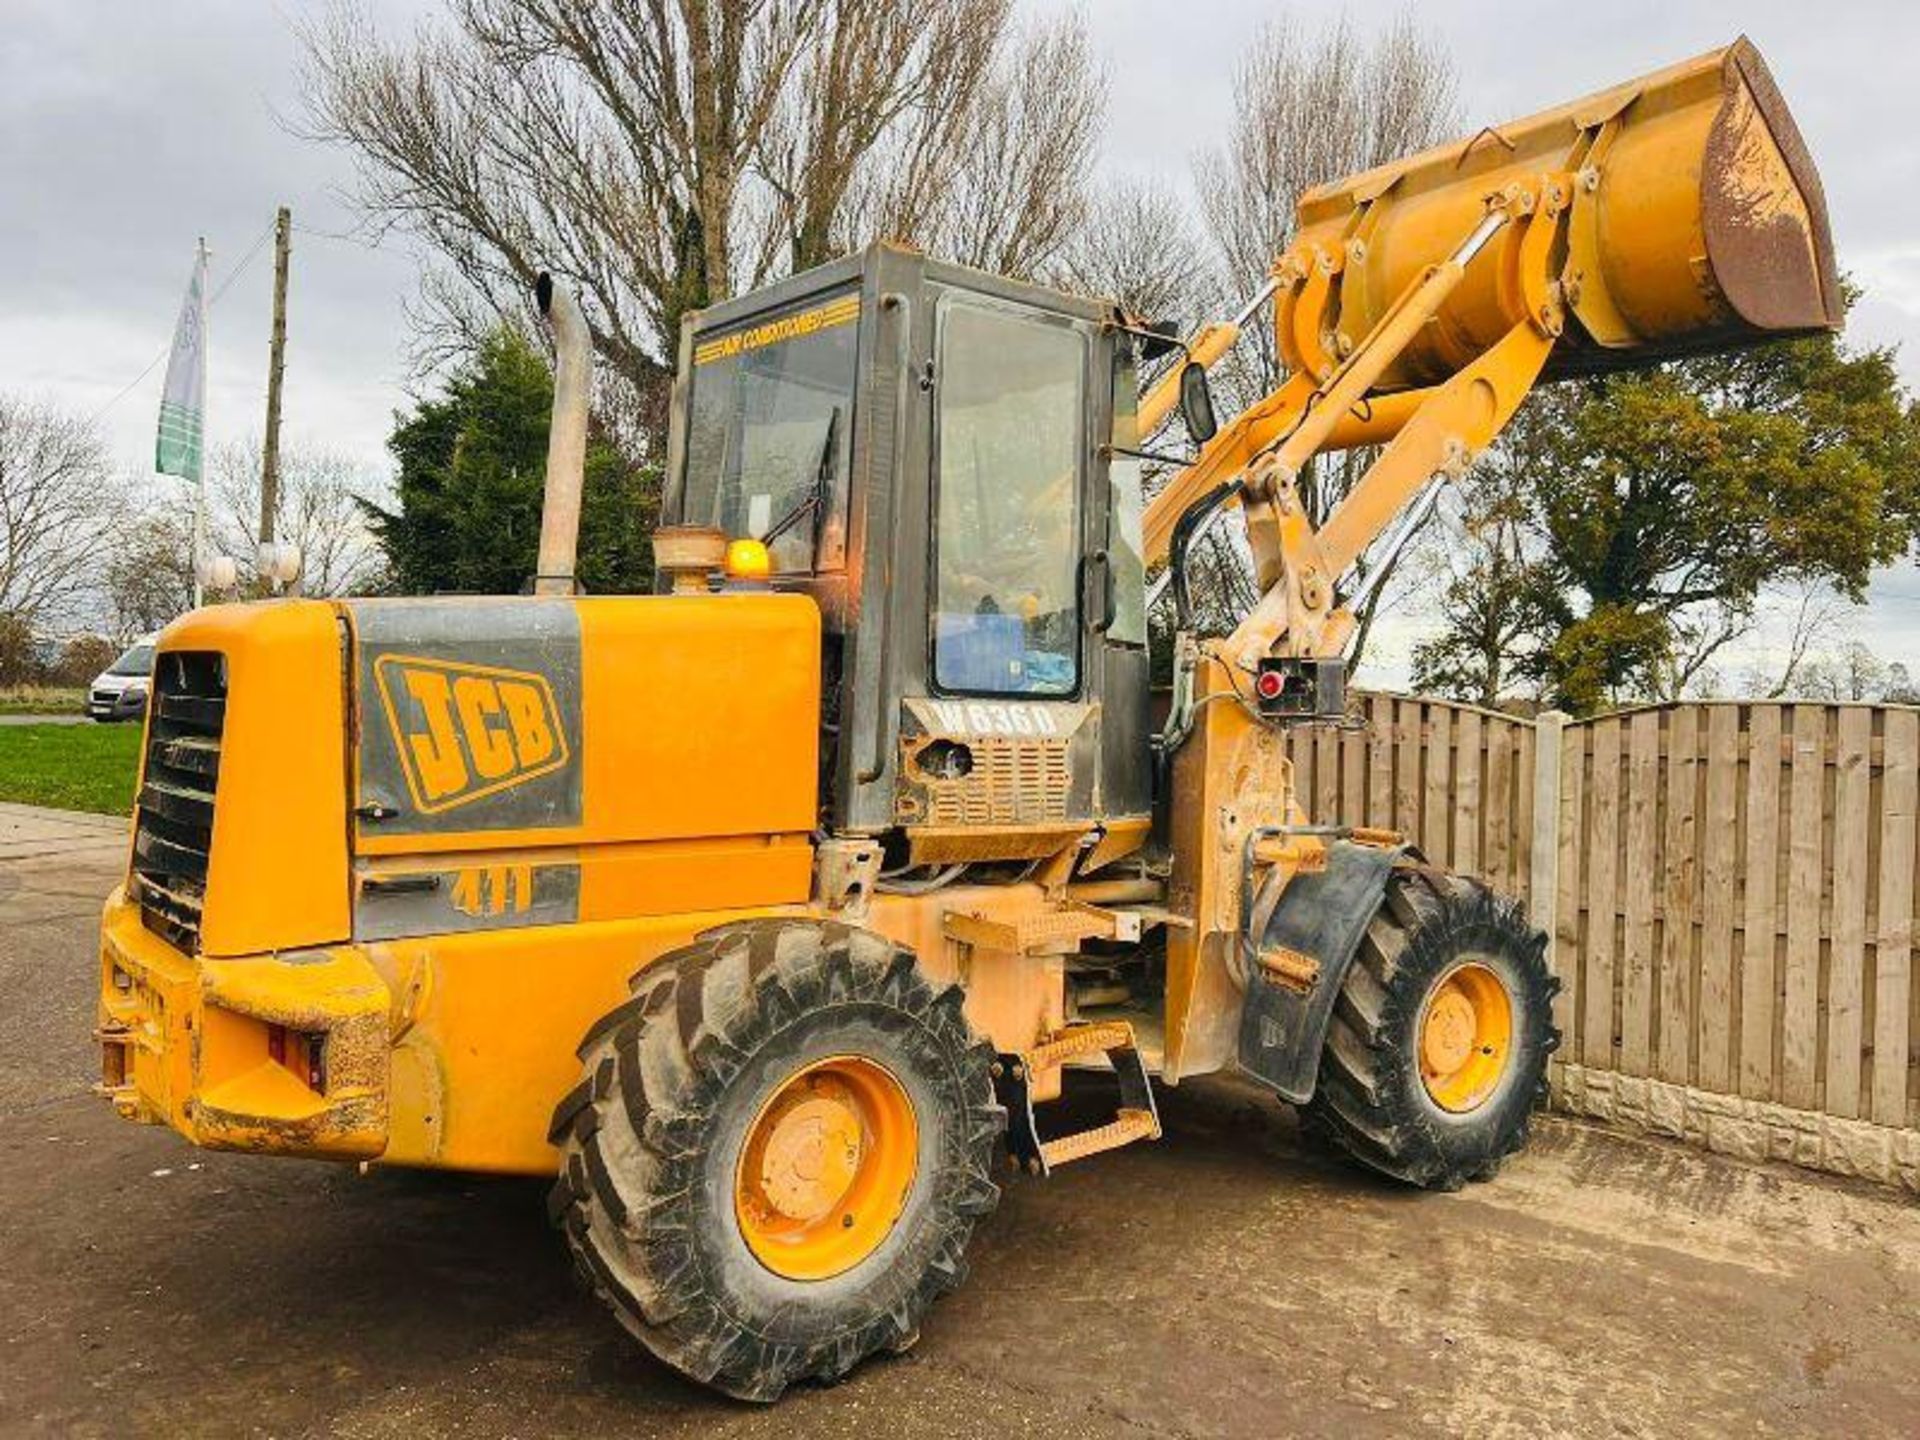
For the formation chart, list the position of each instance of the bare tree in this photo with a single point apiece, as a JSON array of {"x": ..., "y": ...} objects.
[
  {"x": 318, "y": 511},
  {"x": 60, "y": 510},
  {"x": 148, "y": 581},
  {"x": 1309, "y": 109},
  {"x": 664, "y": 154},
  {"x": 1900, "y": 687},
  {"x": 1813, "y": 616},
  {"x": 1851, "y": 673},
  {"x": 1138, "y": 246},
  {"x": 607, "y": 141},
  {"x": 866, "y": 147},
  {"x": 1016, "y": 191}
]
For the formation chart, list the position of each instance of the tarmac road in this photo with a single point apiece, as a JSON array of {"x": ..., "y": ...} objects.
[{"x": 1226, "y": 1281}]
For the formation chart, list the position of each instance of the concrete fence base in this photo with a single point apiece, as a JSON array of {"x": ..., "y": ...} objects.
[{"x": 1732, "y": 1125}]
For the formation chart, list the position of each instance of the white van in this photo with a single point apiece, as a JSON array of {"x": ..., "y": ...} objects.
[{"x": 119, "y": 692}]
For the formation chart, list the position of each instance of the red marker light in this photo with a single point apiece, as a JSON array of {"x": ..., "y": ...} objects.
[{"x": 1268, "y": 685}]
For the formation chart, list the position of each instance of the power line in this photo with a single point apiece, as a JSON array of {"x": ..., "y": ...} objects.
[
  {"x": 245, "y": 260},
  {"x": 345, "y": 237},
  {"x": 128, "y": 390},
  {"x": 213, "y": 300}
]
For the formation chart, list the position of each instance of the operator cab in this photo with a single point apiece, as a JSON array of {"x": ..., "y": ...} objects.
[{"x": 930, "y": 453}]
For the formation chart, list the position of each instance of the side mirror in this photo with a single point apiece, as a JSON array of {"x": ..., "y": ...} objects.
[{"x": 1196, "y": 403}]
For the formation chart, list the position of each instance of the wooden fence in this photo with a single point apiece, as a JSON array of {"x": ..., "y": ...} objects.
[
  {"x": 1730, "y": 889},
  {"x": 1457, "y": 781}
]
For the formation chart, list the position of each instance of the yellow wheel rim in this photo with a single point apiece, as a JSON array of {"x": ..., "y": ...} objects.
[
  {"x": 827, "y": 1167},
  {"x": 1466, "y": 1037}
]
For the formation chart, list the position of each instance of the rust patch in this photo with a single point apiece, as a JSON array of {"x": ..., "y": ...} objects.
[
  {"x": 1763, "y": 208},
  {"x": 1290, "y": 967}
]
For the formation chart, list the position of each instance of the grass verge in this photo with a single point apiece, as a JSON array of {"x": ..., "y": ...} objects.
[
  {"x": 41, "y": 700},
  {"x": 70, "y": 767}
]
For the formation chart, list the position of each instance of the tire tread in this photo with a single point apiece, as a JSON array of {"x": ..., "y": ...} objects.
[
  {"x": 1367, "y": 1075},
  {"x": 631, "y": 1134}
]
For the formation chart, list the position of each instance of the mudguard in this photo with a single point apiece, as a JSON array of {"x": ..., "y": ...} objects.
[{"x": 1321, "y": 916}]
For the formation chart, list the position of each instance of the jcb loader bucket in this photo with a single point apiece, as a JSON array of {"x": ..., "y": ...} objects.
[{"x": 1697, "y": 222}]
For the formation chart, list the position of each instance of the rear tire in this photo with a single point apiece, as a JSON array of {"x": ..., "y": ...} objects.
[
  {"x": 680, "y": 1083},
  {"x": 1379, "y": 1097}
]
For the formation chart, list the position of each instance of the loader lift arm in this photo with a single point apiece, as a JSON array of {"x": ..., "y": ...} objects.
[
  {"x": 1326, "y": 404},
  {"x": 1430, "y": 433},
  {"x": 1674, "y": 214},
  {"x": 1416, "y": 308}
]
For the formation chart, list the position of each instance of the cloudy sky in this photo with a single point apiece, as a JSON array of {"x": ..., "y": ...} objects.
[{"x": 128, "y": 129}]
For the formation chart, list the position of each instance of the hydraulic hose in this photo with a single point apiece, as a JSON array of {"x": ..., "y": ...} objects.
[{"x": 1191, "y": 519}]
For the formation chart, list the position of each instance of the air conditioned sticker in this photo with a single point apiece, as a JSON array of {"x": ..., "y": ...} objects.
[{"x": 842, "y": 311}]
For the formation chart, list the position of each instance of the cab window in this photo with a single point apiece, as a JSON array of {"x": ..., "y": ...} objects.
[
  {"x": 1126, "y": 546},
  {"x": 1010, "y": 448},
  {"x": 771, "y": 431}
]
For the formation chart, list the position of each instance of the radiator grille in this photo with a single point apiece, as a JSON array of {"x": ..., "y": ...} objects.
[
  {"x": 1013, "y": 782},
  {"x": 173, "y": 826}
]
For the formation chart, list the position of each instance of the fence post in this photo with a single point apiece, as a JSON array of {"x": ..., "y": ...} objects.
[{"x": 1545, "y": 878}]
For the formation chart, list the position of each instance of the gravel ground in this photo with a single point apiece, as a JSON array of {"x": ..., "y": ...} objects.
[{"x": 1226, "y": 1281}]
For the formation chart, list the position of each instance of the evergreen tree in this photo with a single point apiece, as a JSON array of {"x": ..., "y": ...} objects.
[{"x": 472, "y": 471}]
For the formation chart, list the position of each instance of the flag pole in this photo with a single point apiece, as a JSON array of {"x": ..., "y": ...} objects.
[{"x": 200, "y": 469}]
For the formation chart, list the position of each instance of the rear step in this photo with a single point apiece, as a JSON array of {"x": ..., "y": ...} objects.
[{"x": 1013, "y": 1075}]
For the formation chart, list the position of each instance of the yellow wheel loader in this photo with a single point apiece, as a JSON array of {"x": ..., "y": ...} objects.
[{"x": 761, "y": 911}]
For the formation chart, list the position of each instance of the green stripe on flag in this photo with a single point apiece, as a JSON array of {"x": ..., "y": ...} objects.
[{"x": 177, "y": 447}]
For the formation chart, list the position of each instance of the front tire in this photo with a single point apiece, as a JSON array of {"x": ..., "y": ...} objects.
[
  {"x": 778, "y": 1154},
  {"x": 1437, "y": 1052}
]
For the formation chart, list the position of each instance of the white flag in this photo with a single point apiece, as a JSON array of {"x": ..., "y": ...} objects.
[{"x": 183, "y": 403}]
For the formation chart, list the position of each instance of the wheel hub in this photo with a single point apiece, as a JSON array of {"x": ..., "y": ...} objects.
[
  {"x": 826, "y": 1169},
  {"x": 1449, "y": 1034},
  {"x": 811, "y": 1155},
  {"x": 1466, "y": 1037}
]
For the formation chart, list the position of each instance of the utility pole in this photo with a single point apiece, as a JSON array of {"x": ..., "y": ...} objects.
[{"x": 276, "y": 370}]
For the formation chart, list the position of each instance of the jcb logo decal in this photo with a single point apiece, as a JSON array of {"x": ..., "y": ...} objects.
[{"x": 468, "y": 731}]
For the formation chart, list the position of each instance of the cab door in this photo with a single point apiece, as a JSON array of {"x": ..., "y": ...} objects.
[
  {"x": 1005, "y": 737},
  {"x": 1121, "y": 621}
]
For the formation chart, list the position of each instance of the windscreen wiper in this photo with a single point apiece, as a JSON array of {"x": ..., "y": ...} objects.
[{"x": 814, "y": 502}]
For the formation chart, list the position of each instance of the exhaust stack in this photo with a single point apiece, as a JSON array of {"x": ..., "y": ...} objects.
[{"x": 566, "y": 439}]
